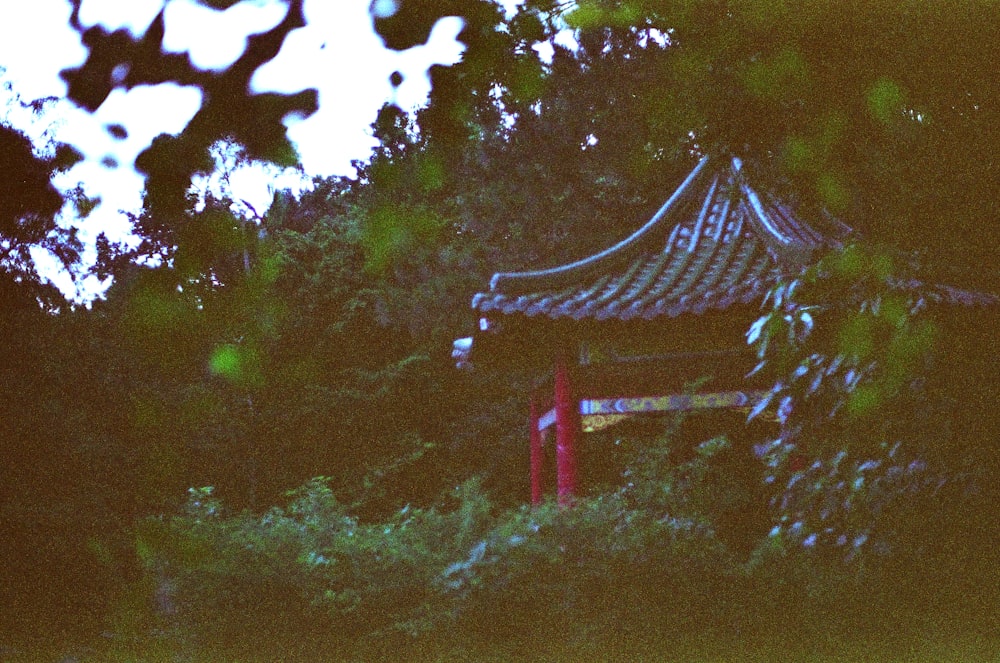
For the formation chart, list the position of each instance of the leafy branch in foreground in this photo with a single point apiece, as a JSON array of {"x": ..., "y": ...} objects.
[{"x": 866, "y": 424}]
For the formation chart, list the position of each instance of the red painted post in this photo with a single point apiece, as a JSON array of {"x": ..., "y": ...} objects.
[
  {"x": 567, "y": 432},
  {"x": 536, "y": 454}
]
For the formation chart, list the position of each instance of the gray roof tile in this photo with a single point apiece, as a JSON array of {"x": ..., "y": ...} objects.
[{"x": 715, "y": 243}]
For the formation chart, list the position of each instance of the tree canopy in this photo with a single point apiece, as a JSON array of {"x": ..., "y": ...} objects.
[{"x": 252, "y": 353}]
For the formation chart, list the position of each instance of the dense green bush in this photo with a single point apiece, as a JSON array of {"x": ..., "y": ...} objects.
[
  {"x": 640, "y": 569},
  {"x": 460, "y": 564}
]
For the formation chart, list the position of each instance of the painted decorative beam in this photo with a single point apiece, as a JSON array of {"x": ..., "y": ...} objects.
[
  {"x": 671, "y": 403},
  {"x": 610, "y": 407}
]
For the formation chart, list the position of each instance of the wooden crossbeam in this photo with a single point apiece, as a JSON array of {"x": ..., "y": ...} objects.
[{"x": 610, "y": 407}]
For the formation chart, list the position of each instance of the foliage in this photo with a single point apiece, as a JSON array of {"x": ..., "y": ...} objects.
[
  {"x": 29, "y": 203},
  {"x": 903, "y": 148},
  {"x": 865, "y": 395},
  {"x": 252, "y": 353},
  {"x": 874, "y": 111},
  {"x": 639, "y": 569},
  {"x": 424, "y": 570},
  {"x": 228, "y": 109}
]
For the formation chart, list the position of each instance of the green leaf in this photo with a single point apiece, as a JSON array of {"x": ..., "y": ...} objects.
[{"x": 885, "y": 99}]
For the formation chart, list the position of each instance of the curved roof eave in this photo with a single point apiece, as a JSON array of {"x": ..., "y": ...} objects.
[{"x": 518, "y": 282}]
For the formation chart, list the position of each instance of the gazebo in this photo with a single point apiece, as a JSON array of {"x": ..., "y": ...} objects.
[{"x": 625, "y": 333}]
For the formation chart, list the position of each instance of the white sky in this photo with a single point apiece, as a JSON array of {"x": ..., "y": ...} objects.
[{"x": 338, "y": 53}]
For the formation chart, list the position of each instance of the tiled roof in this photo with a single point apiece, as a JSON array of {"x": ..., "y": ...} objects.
[{"x": 714, "y": 243}]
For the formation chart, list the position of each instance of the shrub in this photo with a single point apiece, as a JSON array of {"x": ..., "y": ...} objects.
[{"x": 642, "y": 567}]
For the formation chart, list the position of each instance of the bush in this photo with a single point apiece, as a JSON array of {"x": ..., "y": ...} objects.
[
  {"x": 638, "y": 569},
  {"x": 312, "y": 565}
]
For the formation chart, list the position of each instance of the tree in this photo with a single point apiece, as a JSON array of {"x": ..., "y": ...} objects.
[
  {"x": 902, "y": 149},
  {"x": 252, "y": 355},
  {"x": 29, "y": 205},
  {"x": 878, "y": 112},
  {"x": 885, "y": 450}
]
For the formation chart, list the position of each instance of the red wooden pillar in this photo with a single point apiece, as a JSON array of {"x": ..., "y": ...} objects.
[
  {"x": 567, "y": 432},
  {"x": 536, "y": 454}
]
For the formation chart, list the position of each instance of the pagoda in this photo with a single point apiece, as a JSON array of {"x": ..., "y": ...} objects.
[{"x": 625, "y": 333}]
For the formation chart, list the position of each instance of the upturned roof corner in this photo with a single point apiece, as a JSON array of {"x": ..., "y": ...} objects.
[{"x": 715, "y": 242}]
